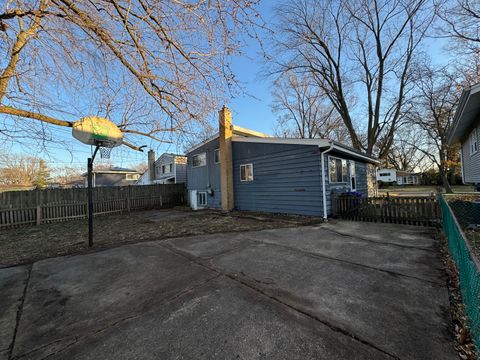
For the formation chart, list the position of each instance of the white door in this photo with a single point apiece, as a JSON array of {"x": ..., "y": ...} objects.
[
  {"x": 353, "y": 178},
  {"x": 193, "y": 199}
]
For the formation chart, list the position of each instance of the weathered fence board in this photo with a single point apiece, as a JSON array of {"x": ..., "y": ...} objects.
[
  {"x": 33, "y": 198},
  {"x": 411, "y": 210},
  {"x": 73, "y": 206}
]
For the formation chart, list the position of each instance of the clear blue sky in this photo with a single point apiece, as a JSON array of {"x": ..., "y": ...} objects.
[{"x": 251, "y": 110}]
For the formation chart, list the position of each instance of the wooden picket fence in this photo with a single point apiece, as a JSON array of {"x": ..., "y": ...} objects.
[
  {"x": 166, "y": 196},
  {"x": 411, "y": 210}
]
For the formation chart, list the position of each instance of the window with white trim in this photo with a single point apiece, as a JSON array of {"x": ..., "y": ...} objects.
[
  {"x": 338, "y": 170},
  {"x": 202, "y": 198},
  {"x": 246, "y": 172},
  {"x": 132, "y": 176},
  {"x": 473, "y": 142},
  {"x": 216, "y": 156},
  {"x": 166, "y": 169},
  {"x": 199, "y": 160}
]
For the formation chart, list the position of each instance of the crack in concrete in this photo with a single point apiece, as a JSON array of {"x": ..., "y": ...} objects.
[
  {"x": 315, "y": 255},
  {"x": 112, "y": 324},
  {"x": 376, "y": 241},
  {"x": 235, "y": 278},
  {"x": 19, "y": 312}
]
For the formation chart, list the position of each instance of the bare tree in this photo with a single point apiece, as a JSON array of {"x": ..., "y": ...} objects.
[
  {"x": 362, "y": 49},
  {"x": 404, "y": 154},
  {"x": 68, "y": 174},
  {"x": 23, "y": 170},
  {"x": 141, "y": 167},
  {"x": 152, "y": 66},
  {"x": 462, "y": 18},
  {"x": 304, "y": 111},
  {"x": 439, "y": 90}
]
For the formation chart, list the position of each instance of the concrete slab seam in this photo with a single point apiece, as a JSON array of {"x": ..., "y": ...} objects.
[
  {"x": 75, "y": 339},
  {"x": 265, "y": 294},
  {"x": 377, "y": 242},
  {"x": 19, "y": 311},
  {"x": 307, "y": 253}
]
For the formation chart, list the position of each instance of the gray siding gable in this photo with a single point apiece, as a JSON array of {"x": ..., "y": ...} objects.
[
  {"x": 204, "y": 177},
  {"x": 471, "y": 162},
  {"x": 286, "y": 178}
]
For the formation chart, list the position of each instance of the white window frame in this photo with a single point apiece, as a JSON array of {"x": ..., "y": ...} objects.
[
  {"x": 199, "y": 154},
  {"x": 131, "y": 177},
  {"x": 201, "y": 194},
  {"x": 347, "y": 175},
  {"x": 246, "y": 179},
  {"x": 473, "y": 142},
  {"x": 164, "y": 168},
  {"x": 215, "y": 152}
]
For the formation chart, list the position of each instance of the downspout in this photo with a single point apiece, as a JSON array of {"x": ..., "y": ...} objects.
[{"x": 324, "y": 192}]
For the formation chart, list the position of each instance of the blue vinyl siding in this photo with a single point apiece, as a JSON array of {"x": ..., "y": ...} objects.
[
  {"x": 286, "y": 178},
  {"x": 200, "y": 178},
  {"x": 180, "y": 173}
]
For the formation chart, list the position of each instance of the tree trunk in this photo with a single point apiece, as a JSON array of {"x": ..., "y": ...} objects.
[{"x": 446, "y": 184}]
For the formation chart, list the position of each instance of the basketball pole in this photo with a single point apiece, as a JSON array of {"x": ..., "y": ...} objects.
[{"x": 90, "y": 196}]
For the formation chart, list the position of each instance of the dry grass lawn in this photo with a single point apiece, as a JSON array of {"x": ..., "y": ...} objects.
[{"x": 29, "y": 244}]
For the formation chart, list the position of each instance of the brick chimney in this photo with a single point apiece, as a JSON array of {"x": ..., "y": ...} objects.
[
  {"x": 226, "y": 169},
  {"x": 151, "y": 165}
]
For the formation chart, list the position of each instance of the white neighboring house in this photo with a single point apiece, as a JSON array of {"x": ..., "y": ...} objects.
[
  {"x": 167, "y": 169},
  {"x": 399, "y": 177}
]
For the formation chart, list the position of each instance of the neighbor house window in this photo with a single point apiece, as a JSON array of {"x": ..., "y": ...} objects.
[
  {"x": 199, "y": 160},
  {"x": 166, "y": 169},
  {"x": 473, "y": 142},
  {"x": 132, "y": 176},
  {"x": 246, "y": 172},
  {"x": 338, "y": 170},
  {"x": 216, "y": 156},
  {"x": 201, "y": 198}
]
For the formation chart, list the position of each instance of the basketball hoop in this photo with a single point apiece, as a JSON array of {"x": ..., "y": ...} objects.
[
  {"x": 105, "y": 148},
  {"x": 104, "y": 135}
]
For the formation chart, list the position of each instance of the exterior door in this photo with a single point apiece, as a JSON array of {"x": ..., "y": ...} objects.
[{"x": 353, "y": 178}]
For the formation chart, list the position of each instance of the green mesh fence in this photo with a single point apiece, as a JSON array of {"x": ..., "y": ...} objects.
[{"x": 468, "y": 269}]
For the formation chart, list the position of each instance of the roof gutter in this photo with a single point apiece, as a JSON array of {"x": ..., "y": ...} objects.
[
  {"x": 355, "y": 154},
  {"x": 324, "y": 193}
]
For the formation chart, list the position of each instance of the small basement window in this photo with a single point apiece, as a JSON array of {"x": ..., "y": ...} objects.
[
  {"x": 216, "y": 156},
  {"x": 199, "y": 160},
  {"x": 473, "y": 142},
  {"x": 202, "y": 198},
  {"x": 338, "y": 170},
  {"x": 246, "y": 172}
]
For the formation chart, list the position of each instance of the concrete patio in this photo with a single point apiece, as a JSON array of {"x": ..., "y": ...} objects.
[{"x": 343, "y": 290}]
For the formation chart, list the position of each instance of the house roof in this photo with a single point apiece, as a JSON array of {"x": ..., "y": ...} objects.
[
  {"x": 466, "y": 115},
  {"x": 237, "y": 130},
  {"x": 246, "y": 135},
  {"x": 321, "y": 143},
  {"x": 113, "y": 170},
  {"x": 164, "y": 155},
  {"x": 172, "y": 154}
]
